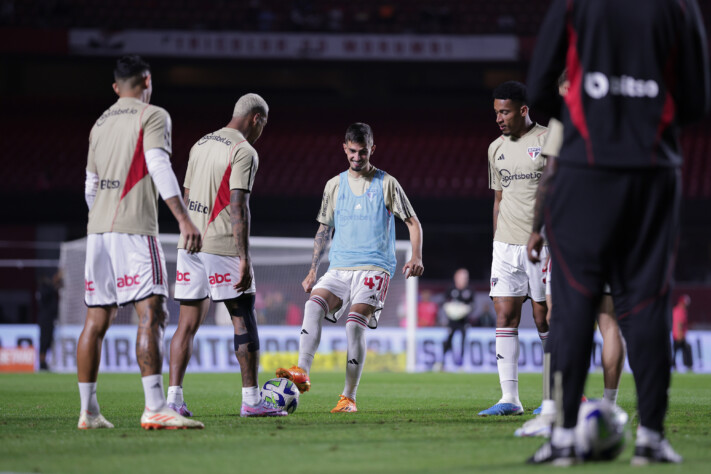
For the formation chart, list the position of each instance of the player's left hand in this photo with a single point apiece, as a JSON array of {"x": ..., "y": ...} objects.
[
  {"x": 244, "y": 280},
  {"x": 413, "y": 268},
  {"x": 534, "y": 246}
]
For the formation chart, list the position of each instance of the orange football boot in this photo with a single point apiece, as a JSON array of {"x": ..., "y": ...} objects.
[
  {"x": 345, "y": 405},
  {"x": 296, "y": 375}
]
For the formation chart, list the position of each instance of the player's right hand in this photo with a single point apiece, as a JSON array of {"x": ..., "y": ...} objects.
[
  {"x": 309, "y": 281},
  {"x": 244, "y": 279},
  {"x": 534, "y": 246},
  {"x": 191, "y": 234}
]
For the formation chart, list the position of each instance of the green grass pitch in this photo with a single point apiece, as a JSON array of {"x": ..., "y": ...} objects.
[{"x": 407, "y": 423}]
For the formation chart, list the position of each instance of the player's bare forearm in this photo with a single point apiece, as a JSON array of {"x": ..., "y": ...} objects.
[
  {"x": 498, "y": 195},
  {"x": 414, "y": 267},
  {"x": 321, "y": 241},
  {"x": 190, "y": 233},
  {"x": 542, "y": 192},
  {"x": 186, "y": 197},
  {"x": 240, "y": 220}
]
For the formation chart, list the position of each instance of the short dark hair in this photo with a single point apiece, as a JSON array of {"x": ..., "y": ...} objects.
[
  {"x": 130, "y": 66},
  {"x": 359, "y": 133},
  {"x": 511, "y": 90}
]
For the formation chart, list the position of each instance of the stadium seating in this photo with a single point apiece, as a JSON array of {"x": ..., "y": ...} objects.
[
  {"x": 521, "y": 17},
  {"x": 446, "y": 160}
]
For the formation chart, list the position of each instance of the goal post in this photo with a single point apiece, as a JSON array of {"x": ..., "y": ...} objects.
[{"x": 280, "y": 265}]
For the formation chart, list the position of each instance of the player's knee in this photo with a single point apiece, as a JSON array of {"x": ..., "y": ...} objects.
[
  {"x": 243, "y": 307},
  {"x": 317, "y": 303}
]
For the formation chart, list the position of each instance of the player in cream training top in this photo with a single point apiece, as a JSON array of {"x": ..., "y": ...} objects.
[
  {"x": 128, "y": 165},
  {"x": 359, "y": 204},
  {"x": 218, "y": 183},
  {"x": 515, "y": 167}
]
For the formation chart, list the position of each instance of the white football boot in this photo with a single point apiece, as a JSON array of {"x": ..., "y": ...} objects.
[
  {"x": 167, "y": 419},
  {"x": 88, "y": 421}
]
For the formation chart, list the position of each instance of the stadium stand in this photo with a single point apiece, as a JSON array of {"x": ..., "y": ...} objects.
[{"x": 441, "y": 160}]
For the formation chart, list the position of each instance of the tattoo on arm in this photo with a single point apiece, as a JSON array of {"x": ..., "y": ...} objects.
[
  {"x": 323, "y": 237},
  {"x": 177, "y": 207},
  {"x": 186, "y": 196},
  {"x": 240, "y": 220}
]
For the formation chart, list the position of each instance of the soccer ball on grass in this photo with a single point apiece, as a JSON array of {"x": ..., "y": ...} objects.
[
  {"x": 600, "y": 434},
  {"x": 281, "y": 393}
]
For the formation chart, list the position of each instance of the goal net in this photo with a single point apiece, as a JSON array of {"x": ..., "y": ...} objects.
[{"x": 280, "y": 265}]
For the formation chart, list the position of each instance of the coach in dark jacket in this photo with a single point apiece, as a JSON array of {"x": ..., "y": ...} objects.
[{"x": 638, "y": 70}]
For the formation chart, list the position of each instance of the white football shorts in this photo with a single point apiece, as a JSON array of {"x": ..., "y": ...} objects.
[
  {"x": 605, "y": 290},
  {"x": 512, "y": 274},
  {"x": 353, "y": 287},
  {"x": 123, "y": 268},
  {"x": 201, "y": 274}
]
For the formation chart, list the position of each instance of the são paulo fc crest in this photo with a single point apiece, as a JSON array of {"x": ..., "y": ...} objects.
[
  {"x": 494, "y": 281},
  {"x": 370, "y": 194},
  {"x": 534, "y": 151}
]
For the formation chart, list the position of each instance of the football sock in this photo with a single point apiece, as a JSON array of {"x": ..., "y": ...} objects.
[
  {"x": 507, "y": 351},
  {"x": 646, "y": 436},
  {"x": 87, "y": 395},
  {"x": 355, "y": 331},
  {"x": 153, "y": 389},
  {"x": 250, "y": 395},
  {"x": 544, "y": 338},
  {"x": 175, "y": 395},
  {"x": 548, "y": 407},
  {"x": 563, "y": 437},
  {"x": 315, "y": 311},
  {"x": 610, "y": 394}
]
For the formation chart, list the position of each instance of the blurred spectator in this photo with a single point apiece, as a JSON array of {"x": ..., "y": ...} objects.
[
  {"x": 47, "y": 311},
  {"x": 274, "y": 308},
  {"x": 486, "y": 317},
  {"x": 426, "y": 310},
  {"x": 680, "y": 323},
  {"x": 294, "y": 316},
  {"x": 457, "y": 308}
]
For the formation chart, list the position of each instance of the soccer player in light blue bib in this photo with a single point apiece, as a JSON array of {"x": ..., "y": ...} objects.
[{"x": 360, "y": 204}]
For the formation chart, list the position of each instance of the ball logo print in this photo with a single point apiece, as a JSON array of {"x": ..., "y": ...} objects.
[{"x": 281, "y": 393}]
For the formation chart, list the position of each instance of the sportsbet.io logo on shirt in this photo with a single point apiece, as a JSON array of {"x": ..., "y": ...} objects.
[{"x": 507, "y": 177}]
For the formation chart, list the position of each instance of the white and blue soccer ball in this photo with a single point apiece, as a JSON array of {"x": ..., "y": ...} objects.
[
  {"x": 601, "y": 433},
  {"x": 281, "y": 393}
]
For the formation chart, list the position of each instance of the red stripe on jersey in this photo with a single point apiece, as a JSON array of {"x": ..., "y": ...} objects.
[
  {"x": 222, "y": 200},
  {"x": 573, "y": 98},
  {"x": 138, "y": 169}
]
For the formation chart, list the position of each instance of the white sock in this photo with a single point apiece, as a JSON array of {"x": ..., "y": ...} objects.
[
  {"x": 315, "y": 311},
  {"x": 250, "y": 395},
  {"x": 175, "y": 395},
  {"x": 507, "y": 351},
  {"x": 355, "y": 331},
  {"x": 610, "y": 394},
  {"x": 153, "y": 389},
  {"x": 87, "y": 395},
  {"x": 548, "y": 407},
  {"x": 647, "y": 437},
  {"x": 544, "y": 338},
  {"x": 563, "y": 437}
]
